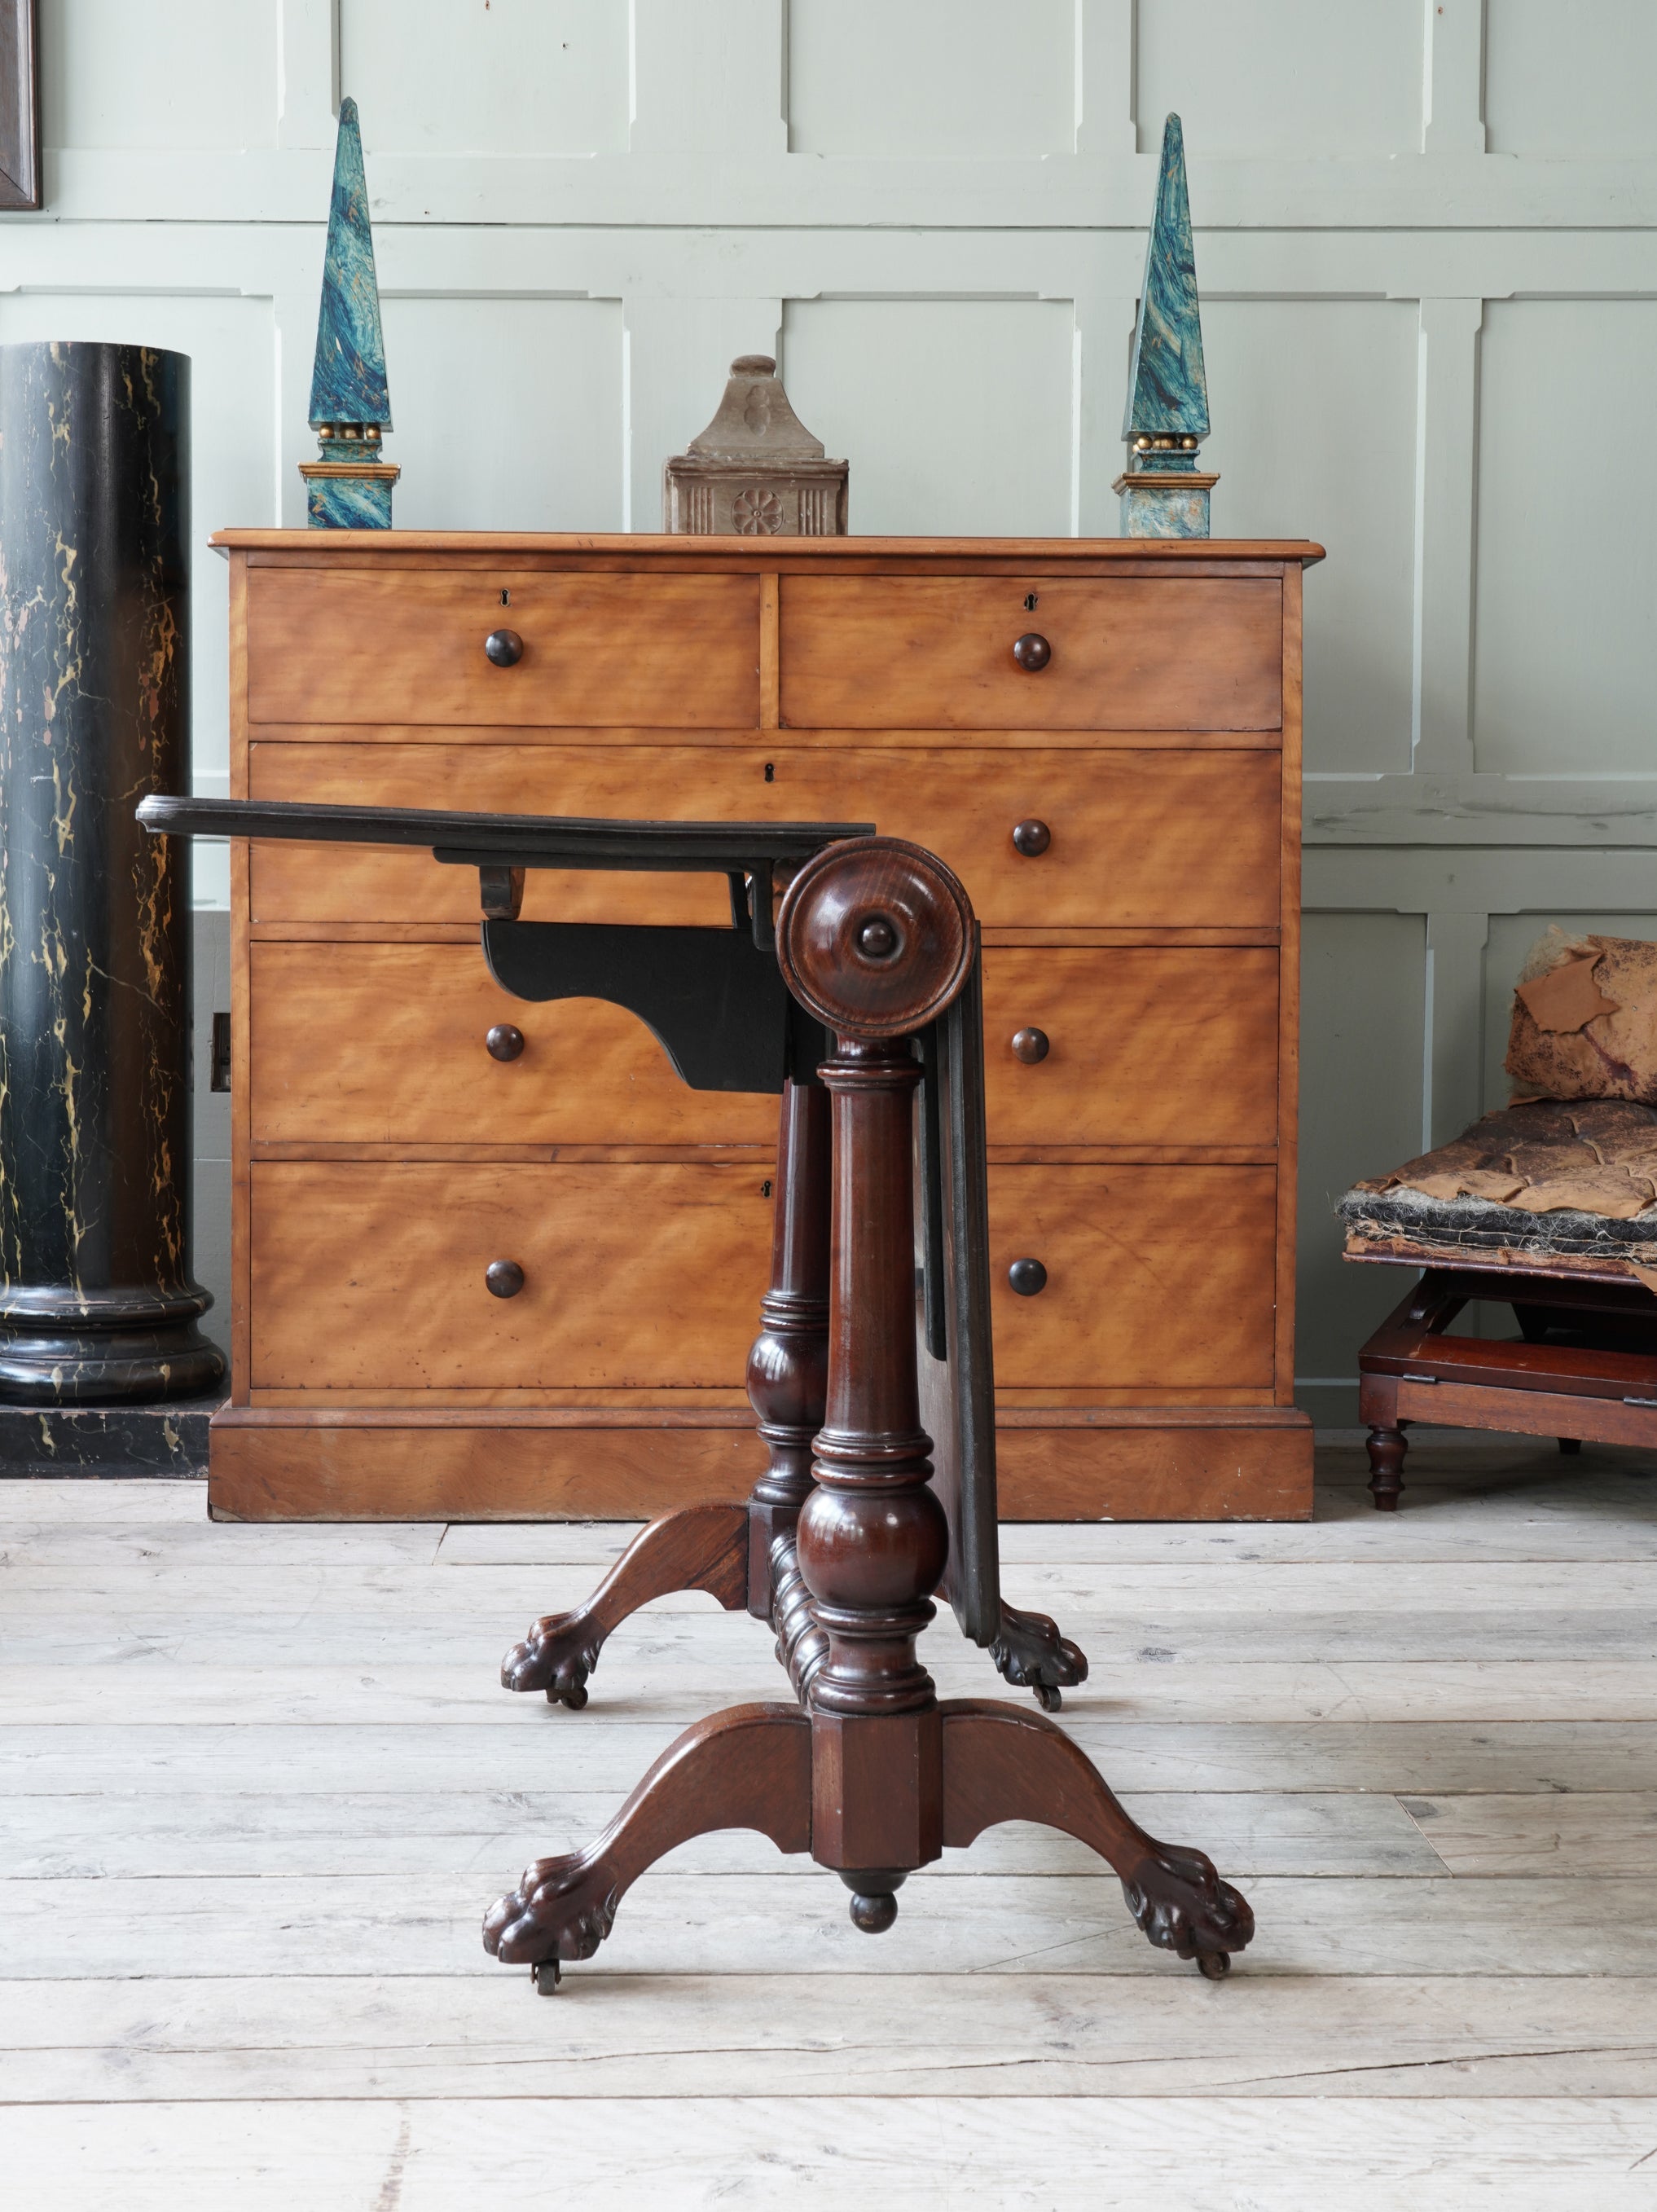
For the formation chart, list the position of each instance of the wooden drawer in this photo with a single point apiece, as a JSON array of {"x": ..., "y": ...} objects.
[
  {"x": 370, "y": 1277},
  {"x": 599, "y": 650},
  {"x": 384, "y": 1044},
  {"x": 1157, "y": 1278},
  {"x": 1140, "y": 840},
  {"x": 1199, "y": 652},
  {"x": 1146, "y": 1047}
]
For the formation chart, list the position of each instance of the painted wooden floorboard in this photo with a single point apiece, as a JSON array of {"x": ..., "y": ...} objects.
[
  {"x": 732, "y": 1658},
  {"x": 1608, "y": 1833},
  {"x": 724, "y": 2035},
  {"x": 459, "y": 1831},
  {"x": 133, "y": 1499},
  {"x": 929, "y": 2154},
  {"x": 1594, "y": 1688},
  {"x": 798, "y": 1922},
  {"x": 606, "y": 1747},
  {"x": 1607, "y": 1510},
  {"x": 256, "y": 1785},
  {"x": 210, "y": 1593},
  {"x": 130, "y": 1545}
]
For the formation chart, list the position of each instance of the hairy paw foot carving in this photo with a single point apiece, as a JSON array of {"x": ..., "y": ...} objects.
[
  {"x": 1183, "y": 1906},
  {"x": 563, "y": 1908},
  {"x": 559, "y": 1653},
  {"x": 1032, "y": 1654}
]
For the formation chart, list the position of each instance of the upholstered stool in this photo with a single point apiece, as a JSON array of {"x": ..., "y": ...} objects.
[{"x": 1550, "y": 1207}]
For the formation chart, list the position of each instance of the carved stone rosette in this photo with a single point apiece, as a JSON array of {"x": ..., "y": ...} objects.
[{"x": 755, "y": 471}]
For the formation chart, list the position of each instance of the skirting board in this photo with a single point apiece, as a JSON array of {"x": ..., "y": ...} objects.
[{"x": 1221, "y": 1463}]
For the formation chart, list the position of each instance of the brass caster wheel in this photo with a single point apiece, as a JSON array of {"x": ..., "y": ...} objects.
[
  {"x": 574, "y": 1697},
  {"x": 1047, "y": 1698},
  {"x": 545, "y": 1976},
  {"x": 1214, "y": 1966}
]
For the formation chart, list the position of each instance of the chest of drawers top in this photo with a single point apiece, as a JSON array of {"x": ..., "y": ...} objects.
[{"x": 641, "y": 633}]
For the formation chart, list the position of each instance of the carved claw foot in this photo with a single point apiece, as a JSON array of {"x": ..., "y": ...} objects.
[
  {"x": 563, "y": 1908},
  {"x": 1001, "y": 1763},
  {"x": 1182, "y": 1905},
  {"x": 1031, "y": 1655},
  {"x": 701, "y": 1547},
  {"x": 557, "y": 1656},
  {"x": 749, "y": 1767}
]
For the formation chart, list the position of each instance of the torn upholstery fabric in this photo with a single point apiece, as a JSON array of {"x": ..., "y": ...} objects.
[{"x": 1543, "y": 1183}]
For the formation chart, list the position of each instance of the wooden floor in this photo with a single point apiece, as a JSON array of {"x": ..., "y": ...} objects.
[{"x": 259, "y": 1784}]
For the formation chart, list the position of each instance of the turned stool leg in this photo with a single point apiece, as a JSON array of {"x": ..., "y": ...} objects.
[{"x": 1386, "y": 1450}]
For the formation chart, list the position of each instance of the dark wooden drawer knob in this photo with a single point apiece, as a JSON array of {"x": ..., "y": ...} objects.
[
  {"x": 1032, "y": 839},
  {"x": 1027, "y": 1277},
  {"x": 505, "y": 1279},
  {"x": 505, "y": 1041},
  {"x": 1032, "y": 652},
  {"x": 1027, "y": 1045},
  {"x": 504, "y": 648}
]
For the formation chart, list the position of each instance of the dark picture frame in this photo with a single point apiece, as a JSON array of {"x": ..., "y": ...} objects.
[{"x": 19, "y": 104}]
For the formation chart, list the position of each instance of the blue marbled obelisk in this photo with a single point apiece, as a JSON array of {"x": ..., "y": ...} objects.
[
  {"x": 349, "y": 488},
  {"x": 1164, "y": 492}
]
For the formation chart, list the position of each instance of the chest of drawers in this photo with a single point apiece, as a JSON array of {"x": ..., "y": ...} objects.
[{"x": 1145, "y": 920}]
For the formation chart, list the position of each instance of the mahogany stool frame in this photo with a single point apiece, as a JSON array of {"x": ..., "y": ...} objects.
[{"x": 1584, "y": 1367}]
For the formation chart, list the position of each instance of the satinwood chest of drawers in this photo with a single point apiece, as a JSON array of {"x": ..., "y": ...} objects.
[{"x": 1142, "y": 920}]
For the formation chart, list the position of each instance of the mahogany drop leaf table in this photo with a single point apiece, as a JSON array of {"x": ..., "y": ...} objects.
[{"x": 861, "y": 999}]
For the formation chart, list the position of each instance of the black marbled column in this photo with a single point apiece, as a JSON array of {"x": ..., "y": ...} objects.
[{"x": 96, "y": 1299}]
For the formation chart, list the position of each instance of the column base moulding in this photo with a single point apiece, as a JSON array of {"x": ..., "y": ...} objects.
[{"x": 1130, "y": 1463}]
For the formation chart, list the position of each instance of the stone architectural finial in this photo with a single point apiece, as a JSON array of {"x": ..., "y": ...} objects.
[
  {"x": 349, "y": 486},
  {"x": 1164, "y": 492},
  {"x": 756, "y": 470}
]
